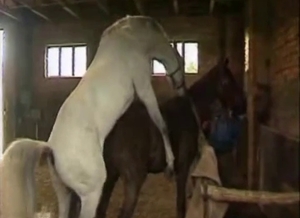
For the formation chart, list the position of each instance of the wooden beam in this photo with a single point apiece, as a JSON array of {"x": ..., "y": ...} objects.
[
  {"x": 211, "y": 6},
  {"x": 103, "y": 6},
  {"x": 32, "y": 10},
  {"x": 52, "y": 3},
  {"x": 139, "y": 6},
  {"x": 67, "y": 9},
  {"x": 5, "y": 11},
  {"x": 176, "y": 6},
  {"x": 251, "y": 83},
  {"x": 222, "y": 194},
  {"x": 222, "y": 27}
]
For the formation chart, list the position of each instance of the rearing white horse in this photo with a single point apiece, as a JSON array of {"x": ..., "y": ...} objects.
[{"x": 121, "y": 68}]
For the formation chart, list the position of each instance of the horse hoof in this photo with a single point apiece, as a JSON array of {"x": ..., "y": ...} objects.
[{"x": 169, "y": 173}]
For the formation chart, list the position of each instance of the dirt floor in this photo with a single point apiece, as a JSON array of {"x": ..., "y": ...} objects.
[{"x": 157, "y": 198}]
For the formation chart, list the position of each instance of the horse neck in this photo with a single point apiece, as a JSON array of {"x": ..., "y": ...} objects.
[{"x": 204, "y": 92}]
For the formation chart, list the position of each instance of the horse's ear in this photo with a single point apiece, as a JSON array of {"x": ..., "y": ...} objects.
[
  {"x": 223, "y": 62},
  {"x": 226, "y": 61}
]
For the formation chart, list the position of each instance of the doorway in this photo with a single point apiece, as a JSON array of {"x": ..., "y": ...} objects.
[{"x": 1, "y": 92}]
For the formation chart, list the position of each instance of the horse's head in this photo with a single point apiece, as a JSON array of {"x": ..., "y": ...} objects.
[
  {"x": 229, "y": 93},
  {"x": 147, "y": 36}
]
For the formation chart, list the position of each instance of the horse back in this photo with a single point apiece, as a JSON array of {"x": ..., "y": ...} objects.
[{"x": 135, "y": 142}]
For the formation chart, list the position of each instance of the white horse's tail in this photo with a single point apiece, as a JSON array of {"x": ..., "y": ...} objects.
[{"x": 17, "y": 180}]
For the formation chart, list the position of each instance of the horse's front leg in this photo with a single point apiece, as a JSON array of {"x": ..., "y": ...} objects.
[
  {"x": 91, "y": 196},
  {"x": 132, "y": 187},
  {"x": 181, "y": 182},
  {"x": 146, "y": 94},
  {"x": 108, "y": 188},
  {"x": 89, "y": 185},
  {"x": 185, "y": 164}
]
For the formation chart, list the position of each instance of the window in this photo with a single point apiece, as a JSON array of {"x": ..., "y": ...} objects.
[
  {"x": 246, "y": 51},
  {"x": 189, "y": 52},
  {"x": 247, "y": 48},
  {"x": 66, "y": 61}
]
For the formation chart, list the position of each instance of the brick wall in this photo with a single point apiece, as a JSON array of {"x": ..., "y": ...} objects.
[
  {"x": 276, "y": 47},
  {"x": 285, "y": 68}
]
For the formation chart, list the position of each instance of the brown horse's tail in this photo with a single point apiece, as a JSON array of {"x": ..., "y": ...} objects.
[{"x": 17, "y": 181}]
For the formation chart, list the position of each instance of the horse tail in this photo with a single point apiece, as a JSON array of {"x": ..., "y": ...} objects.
[{"x": 17, "y": 184}]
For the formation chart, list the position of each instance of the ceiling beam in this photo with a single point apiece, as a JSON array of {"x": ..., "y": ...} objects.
[
  {"x": 140, "y": 6},
  {"x": 103, "y": 6},
  {"x": 33, "y": 10},
  {"x": 176, "y": 6},
  {"x": 67, "y": 9},
  {"x": 5, "y": 11}
]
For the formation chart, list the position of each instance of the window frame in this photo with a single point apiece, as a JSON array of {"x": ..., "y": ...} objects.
[
  {"x": 174, "y": 42},
  {"x": 60, "y": 46}
]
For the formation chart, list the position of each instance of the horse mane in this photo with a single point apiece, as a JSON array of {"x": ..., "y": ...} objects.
[
  {"x": 200, "y": 85},
  {"x": 128, "y": 22}
]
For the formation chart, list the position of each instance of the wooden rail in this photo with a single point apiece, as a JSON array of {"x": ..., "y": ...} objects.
[{"x": 217, "y": 193}]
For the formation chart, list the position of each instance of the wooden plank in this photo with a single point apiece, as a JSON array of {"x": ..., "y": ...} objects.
[
  {"x": 176, "y": 6},
  {"x": 5, "y": 11},
  {"x": 251, "y": 81},
  {"x": 222, "y": 27},
  {"x": 40, "y": 14},
  {"x": 140, "y": 6},
  {"x": 211, "y": 6},
  {"x": 103, "y": 6},
  {"x": 245, "y": 196},
  {"x": 67, "y": 8}
]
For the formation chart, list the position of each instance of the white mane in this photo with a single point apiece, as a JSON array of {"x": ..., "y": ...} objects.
[{"x": 133, "y": 22}]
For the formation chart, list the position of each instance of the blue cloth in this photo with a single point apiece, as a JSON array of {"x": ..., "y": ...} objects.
[{"x": 224, "y": 133}]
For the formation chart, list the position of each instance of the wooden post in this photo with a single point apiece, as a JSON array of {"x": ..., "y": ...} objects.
[
  {"x": 222, "y": 26},
  {"x": 251, "y": 80}
]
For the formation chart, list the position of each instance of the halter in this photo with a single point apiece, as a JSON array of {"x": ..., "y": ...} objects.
[{"x": 171, "y": 76}]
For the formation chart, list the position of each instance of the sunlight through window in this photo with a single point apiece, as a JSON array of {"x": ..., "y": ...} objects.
[
  {"x": 246, "y": 51},
  {"x": 189, "y": 52},
  {"x": 246, "y": 64},
  {"x": 191, "y": 57},
  {"x": 159, "y": 68},
  {"x": 179, "y": 48},
  {"x": 80, "y": 61},
  {"x": 66, "y": 61},
  {"x": 52, "y": 62}
]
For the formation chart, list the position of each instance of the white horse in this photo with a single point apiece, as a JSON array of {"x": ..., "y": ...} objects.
[{"x": 121, "y": 68}]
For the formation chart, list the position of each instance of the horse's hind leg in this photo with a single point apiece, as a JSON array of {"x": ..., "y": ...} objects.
[
  {"x": 62, "y": 193},
  {"x": 132, "y": 187},
  {"x": 75, "y": 206},
  {"x": 106, "y": 194},
  {"x": 89, "y": 203},
  {"x": 90, "y": 199},
  {"x": 146, "y": 94}
]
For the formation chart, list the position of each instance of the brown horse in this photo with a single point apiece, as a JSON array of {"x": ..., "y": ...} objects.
[{"x": 134, "y": 147}]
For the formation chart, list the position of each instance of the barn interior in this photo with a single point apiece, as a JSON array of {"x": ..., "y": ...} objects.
[{"x": 260, "y": 39}]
